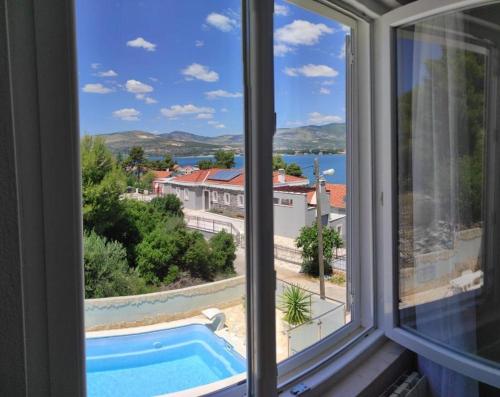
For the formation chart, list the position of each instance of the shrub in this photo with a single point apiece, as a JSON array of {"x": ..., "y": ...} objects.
[
  {"x": 106, "y": 269},
  {"x": 168, "y": 205},
  {"x": 197, "y": 259},
  {"x": 174, "y": 272},
  {"x": 223, "y": 252},
  {"x": 308, "y": 241},
  {"x": 295, "y": 302},
  {"x": 338, "y": 278}
]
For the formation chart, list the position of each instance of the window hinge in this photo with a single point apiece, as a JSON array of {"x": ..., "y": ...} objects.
[{"x": 299, "y": 389}]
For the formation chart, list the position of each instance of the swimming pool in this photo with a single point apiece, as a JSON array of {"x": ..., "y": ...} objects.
[{"x": 158, "y": 362}]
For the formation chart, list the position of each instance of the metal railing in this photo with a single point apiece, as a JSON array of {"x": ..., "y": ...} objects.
[
  {"x": 214, "y": 226},
  {"x": 287, "y": 254}
]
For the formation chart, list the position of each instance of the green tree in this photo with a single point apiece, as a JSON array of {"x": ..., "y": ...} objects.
[
  {"x": 224, "y": 159},
  {"x": 106, "y": 269},
  {"x": 102, "y": 184},
  {"x": 223, "y": 252},
  {"x": 205, "y": 164},
  {"x": 166, "y": 163},
  {"x": 338, "y": 242},
  {"x": 293, "y": 169},
  {"x": 308, "y": 241},
  {"x": 278, "y": 162},
  {"x": 169, "y": 205},
  {"x": 136, "y": 156},
  {"x": 198, "y": 259}
]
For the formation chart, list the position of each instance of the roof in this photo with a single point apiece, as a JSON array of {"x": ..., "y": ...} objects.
[
  {"x": 202, "y": 176},
  {"x": 338, "y": 195},
  {"x": 162, "y": 174}
]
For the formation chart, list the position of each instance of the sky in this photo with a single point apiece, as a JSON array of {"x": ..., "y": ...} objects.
[{"x": 166, "y": 65}]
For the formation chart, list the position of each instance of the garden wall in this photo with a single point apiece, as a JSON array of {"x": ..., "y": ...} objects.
[{"x": 126, "y": 311}]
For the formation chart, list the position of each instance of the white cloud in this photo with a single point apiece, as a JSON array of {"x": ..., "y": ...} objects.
[
  {"x": 220, "y": 126},
  {"x": 318, "y": 118},
  {"x": 221, "y": 22},
  {"x": 222, "y": 94},
  {"x": 212, "y": 122},
  {"x": 311, "y": 70},
  {"x": 141, "y": 43},
  {"x": 96, "y": 89},
  {"x": 324, "y": 91},
  {"x": 200, "y": 72},
  {"x": 95, "y": 65},
  {"x": 108, "y": 73},
  {"x": 224, "y": 110},
  {"x": 136, "y": 87},
  {"x": 342, "y": 51},
  {"x": 345, "y": 28},
  {"x": 148, "y": 100},
  {"x": 301, "y": 32},
  {"x": 199, "y": 43},
  {"x": 281, "y": 9},
  {"x": 281, "y": 50},
  {"x": 205, "y": 116},
  {"x": 128, "y": 114},
  {"x": 181, "y": 110},
  {"x": 328, "y": 82},
  {"x": 154, "y": 79}
]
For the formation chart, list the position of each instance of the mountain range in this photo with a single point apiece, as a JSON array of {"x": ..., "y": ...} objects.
[{"x": 328, "y": 137}]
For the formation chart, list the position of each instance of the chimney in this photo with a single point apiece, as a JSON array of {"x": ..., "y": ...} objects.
[
  {"x": 322, "y": 185},
  {"x": 281, "y": 175}
]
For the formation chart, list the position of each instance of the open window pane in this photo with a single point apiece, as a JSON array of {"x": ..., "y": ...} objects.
[
  {"x": 447, "y": 100},
  {"x": 161, "y": 116},
  {"x": 310, "y": 97}
]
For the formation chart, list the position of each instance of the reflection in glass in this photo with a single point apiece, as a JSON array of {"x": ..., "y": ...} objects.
[{"x": 446, "y": 90}]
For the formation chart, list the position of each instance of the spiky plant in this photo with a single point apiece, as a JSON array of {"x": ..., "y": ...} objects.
[{"x": 296, "y": 305}]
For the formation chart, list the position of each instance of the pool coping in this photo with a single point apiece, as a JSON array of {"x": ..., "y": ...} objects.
[{"x": 208, "y": 388}]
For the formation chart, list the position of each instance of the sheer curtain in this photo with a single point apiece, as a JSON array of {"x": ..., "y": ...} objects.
[{"x": 439, "y": 143}]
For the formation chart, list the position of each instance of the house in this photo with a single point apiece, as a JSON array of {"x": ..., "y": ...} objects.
[
  {"x": 295, "y": 207},
  {"x": 338, "y": 197},
  {"x": 220, "y": 190},
  {"x": 159, "y": 182}
]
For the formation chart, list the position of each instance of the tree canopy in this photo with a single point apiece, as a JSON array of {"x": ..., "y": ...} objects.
[{"x": 224, "y": 159}]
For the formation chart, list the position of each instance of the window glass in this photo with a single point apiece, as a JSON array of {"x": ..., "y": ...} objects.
[
  {"x": 162, "y": 132},
  {"x": 448, "y": 180},
  {"x": 310, "y": 97}
]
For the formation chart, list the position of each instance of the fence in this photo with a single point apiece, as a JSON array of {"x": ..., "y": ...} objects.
[
  {"x": 287, "y": 254},
  {"x": 214, "y": 226},
  {"x": 340, "y": 263},
  {"x": 327, "y": 316}
]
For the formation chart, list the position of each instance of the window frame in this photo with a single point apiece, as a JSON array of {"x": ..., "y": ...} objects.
[
  {"x": 215, "y": 196},
  {"x": 227, "y": 198},
  {"x": 386, "y": 189},
  {"x": 359, "y": 198}
]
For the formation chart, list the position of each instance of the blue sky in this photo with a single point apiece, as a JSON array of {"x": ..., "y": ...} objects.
[{"x": 165, "y": 65}]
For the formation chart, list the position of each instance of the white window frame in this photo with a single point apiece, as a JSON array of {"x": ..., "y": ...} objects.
[
  {"x": 359, "y": 198},
  {"x": 214, "y": 196},
  {"x": 178, "y": 192},
  {"x": 227, "y": 198},
  {"x": 186, "y": 194},
  {"x": 53, "y": 286},
  {"x": 386, "y": 204}
]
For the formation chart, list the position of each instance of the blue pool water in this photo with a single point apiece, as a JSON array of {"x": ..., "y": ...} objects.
[{"x": 159, "y": 362}]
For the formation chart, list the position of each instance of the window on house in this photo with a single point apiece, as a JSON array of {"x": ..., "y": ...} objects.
[
  {"x": 186, "y": 194},
  {"x": 276, "y": 200},
  {"x": 447, "y": 181},
  {"x": 215, "y": 196},
  {"x": 241, "y": 200},
  {"x": 227, "y": 198},
  {"x": 311, "y": 145},
  {"x": 178, "y": 192}
]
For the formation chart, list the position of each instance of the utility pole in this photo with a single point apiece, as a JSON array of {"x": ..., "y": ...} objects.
[{"x": 319, "y": 224}]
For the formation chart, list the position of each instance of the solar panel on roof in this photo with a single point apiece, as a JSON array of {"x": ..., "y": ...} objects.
[{"x": 225, "y": 175}]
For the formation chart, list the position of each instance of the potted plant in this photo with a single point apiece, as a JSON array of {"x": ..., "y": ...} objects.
[{"x": 296, "y": 305}]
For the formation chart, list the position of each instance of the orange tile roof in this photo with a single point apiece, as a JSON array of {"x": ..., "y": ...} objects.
[
  {"x": 162, "y": 174},
  {"x": 202, "y": 175},
  {"x": 338, "y": 195}
]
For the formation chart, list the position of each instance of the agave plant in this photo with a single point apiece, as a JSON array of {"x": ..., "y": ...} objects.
[{"x": 296, "y": 305}]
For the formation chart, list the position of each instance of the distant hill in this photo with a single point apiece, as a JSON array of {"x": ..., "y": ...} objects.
[{"x": 180, "y": 143}]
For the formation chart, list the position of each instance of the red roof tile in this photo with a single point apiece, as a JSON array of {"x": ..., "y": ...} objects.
[
  {"x": 162, "y": 174},
  {"x": 202, "y": 175},
  {"x": 338, "y": 195}
]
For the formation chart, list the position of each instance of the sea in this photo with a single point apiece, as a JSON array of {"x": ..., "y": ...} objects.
[{"x": 337, "y": 162}]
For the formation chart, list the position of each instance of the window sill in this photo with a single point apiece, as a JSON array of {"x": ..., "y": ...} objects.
[{"x": 371, "y": 362}]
